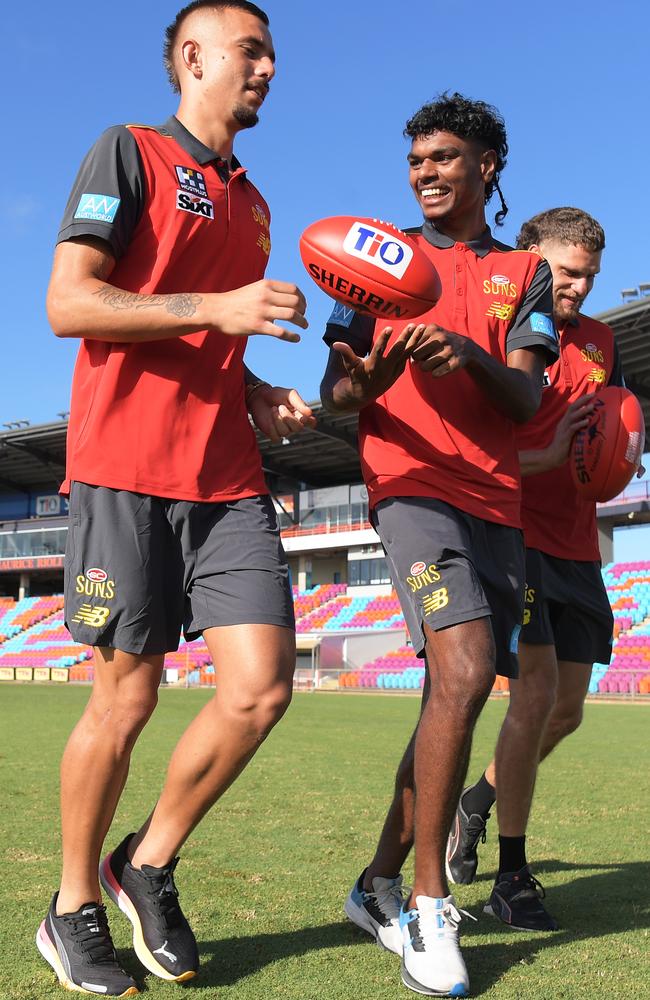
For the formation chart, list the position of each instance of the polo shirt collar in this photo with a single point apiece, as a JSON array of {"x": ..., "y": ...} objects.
[
  {"x": 481, "y": 246},
  {"x": 202, "y": 154}
]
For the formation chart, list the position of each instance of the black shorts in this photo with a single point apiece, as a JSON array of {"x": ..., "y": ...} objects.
[
  {"x": 138, "y": 568},
  {"x": 567, "y": 607},
  {"x": 449, "y": 567}
]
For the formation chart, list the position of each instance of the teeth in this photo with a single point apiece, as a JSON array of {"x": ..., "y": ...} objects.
[{"x": 436, "y": 192}]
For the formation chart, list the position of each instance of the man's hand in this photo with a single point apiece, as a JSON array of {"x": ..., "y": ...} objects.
[
  {"x": 253, "y": 309},
  {"x": 279, "y": 413},
  {"x": 441, "y": 352},
  {"x": 575, "y": 418},
  {"x": 370, "y": 377}
]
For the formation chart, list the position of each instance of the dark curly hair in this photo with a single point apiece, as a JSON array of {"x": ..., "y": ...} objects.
[
  {"x": 171, "y": 32},
  {"x": 468, "y": 119},
  {"x": 566, "y": 225}
]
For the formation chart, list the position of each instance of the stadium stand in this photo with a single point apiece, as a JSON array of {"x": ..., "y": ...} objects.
[{"x": 32, "y": 635}]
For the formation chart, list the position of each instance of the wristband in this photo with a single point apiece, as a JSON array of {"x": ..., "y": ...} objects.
[{"x": 250, "y": 389}]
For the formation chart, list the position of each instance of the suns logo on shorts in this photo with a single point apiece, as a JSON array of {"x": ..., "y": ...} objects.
[
  {"x": 95, "y": 583},
  {"x": 435, "y": 601},
  {"x": 94, "y": 617},
  {"x": 422, "y": 575},
  {"x": 530, "y": 599}
]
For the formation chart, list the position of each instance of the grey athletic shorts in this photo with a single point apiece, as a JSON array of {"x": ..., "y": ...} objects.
[
  {"x": 567, "y": 607},
  {"x": 449, "y": 567},
  {"x": 138, "y": 568}
]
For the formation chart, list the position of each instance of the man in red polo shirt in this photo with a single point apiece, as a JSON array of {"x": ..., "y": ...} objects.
[
  {"x": 160, "y": 272},
  {"x": 568, "y": 623},
  {"x": 438, "y": 403}
]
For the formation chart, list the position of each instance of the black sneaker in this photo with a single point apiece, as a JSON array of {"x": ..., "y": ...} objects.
[
  {"x": 79, "y": 948},
  {"x": 162, "y": 937},
  {"x": 461, "y": 860},
  {"x": 516, "y": 900}
]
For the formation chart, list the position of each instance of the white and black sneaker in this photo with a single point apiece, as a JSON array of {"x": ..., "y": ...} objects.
[
  {"x": 432, "y": 962},
  {"x": 162, "y": 938},
  {"x": 377, "y": 912},
  {"x": 79, "y": 948}
]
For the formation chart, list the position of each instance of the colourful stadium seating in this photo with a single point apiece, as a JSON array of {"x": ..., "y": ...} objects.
[{"x": 32, "y": 634}]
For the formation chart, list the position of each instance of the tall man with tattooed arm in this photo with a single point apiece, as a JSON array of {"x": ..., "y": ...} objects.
[{"x": 159, "y": 270}]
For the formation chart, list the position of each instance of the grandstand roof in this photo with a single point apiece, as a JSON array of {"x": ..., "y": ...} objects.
[{"x": 33, "y": 458}]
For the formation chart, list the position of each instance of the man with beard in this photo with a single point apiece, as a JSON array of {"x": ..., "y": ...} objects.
[{"x": 159, "y": 270}]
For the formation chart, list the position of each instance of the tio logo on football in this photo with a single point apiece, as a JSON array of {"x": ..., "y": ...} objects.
[{"x": 378, "y": 248}]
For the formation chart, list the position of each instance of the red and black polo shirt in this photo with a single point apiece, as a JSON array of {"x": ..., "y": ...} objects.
[
  {"x": 166, "y": 418},
  {"x": 556, "y": 520},
  {"x": 442, "y": 437}
]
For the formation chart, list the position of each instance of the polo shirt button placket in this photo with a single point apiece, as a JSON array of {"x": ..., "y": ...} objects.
[{"x": 460, "y": 281}]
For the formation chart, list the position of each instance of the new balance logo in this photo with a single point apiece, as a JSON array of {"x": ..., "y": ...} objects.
[
  {"x": 501, "y": 310},
  {"x": 92, "y": 616},
  {"x": 435, "y": 601}
]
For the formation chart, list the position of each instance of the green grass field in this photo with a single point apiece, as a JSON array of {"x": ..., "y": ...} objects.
[{"x": 264, "y": 877}]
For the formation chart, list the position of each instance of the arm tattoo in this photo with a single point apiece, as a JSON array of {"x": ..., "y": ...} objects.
[{"x": 181, "y": 304}]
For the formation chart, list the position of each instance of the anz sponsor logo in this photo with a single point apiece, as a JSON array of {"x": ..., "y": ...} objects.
[
  {"x": 378, "y": 248},
  {"x": 98, "y": 207}
]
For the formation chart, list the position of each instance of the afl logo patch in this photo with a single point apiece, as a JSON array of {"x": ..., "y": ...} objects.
[
  {"x": 96, "y": 575},
  {"x": 500, "y": 279}
]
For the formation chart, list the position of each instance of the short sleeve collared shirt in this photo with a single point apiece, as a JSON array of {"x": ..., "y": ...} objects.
[
  {"x": 168, "y": 417},
  {"x": 556, "y": 520},
  {"x": 442, "y": 437}
]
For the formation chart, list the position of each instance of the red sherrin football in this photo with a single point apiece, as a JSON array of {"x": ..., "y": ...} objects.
[
  {"x": 607, "y": 452},
  {"x": 371, "y": 266}
]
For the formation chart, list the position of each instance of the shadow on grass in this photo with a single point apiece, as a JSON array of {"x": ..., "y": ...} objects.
[{"x": 610, "y": 900}]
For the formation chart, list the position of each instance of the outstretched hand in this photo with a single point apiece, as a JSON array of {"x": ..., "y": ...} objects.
[
  {"x": 257, "y": 308},
  {"x": 372, "y": 376},
  {"x": 440, "y": 351}
]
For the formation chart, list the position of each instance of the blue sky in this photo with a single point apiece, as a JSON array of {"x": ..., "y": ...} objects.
[{"x": 569, "y": 78}]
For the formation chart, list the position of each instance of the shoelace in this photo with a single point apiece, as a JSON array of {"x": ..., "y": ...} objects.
[
  {"x": 477, "y": 830},
  {"x": 162, "y": 886},
  {"x": 451, "y": 917},
  {"x": 93, "y": 936},
  {"x": 530, "y": 886},
  {"x": 390, "y": 899}
]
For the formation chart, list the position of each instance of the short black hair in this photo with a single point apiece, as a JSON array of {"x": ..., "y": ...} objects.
[
  {"x": 468, "y": 119},
  {"x": 566, "y": 225},
  {"x": 171, "y": 32}
]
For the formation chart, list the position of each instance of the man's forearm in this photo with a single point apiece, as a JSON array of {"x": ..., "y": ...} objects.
[
  {"x": 96, "y": 310},
  {"x": 531, "y": 463},
  {"x": 510, "y": 390}
]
